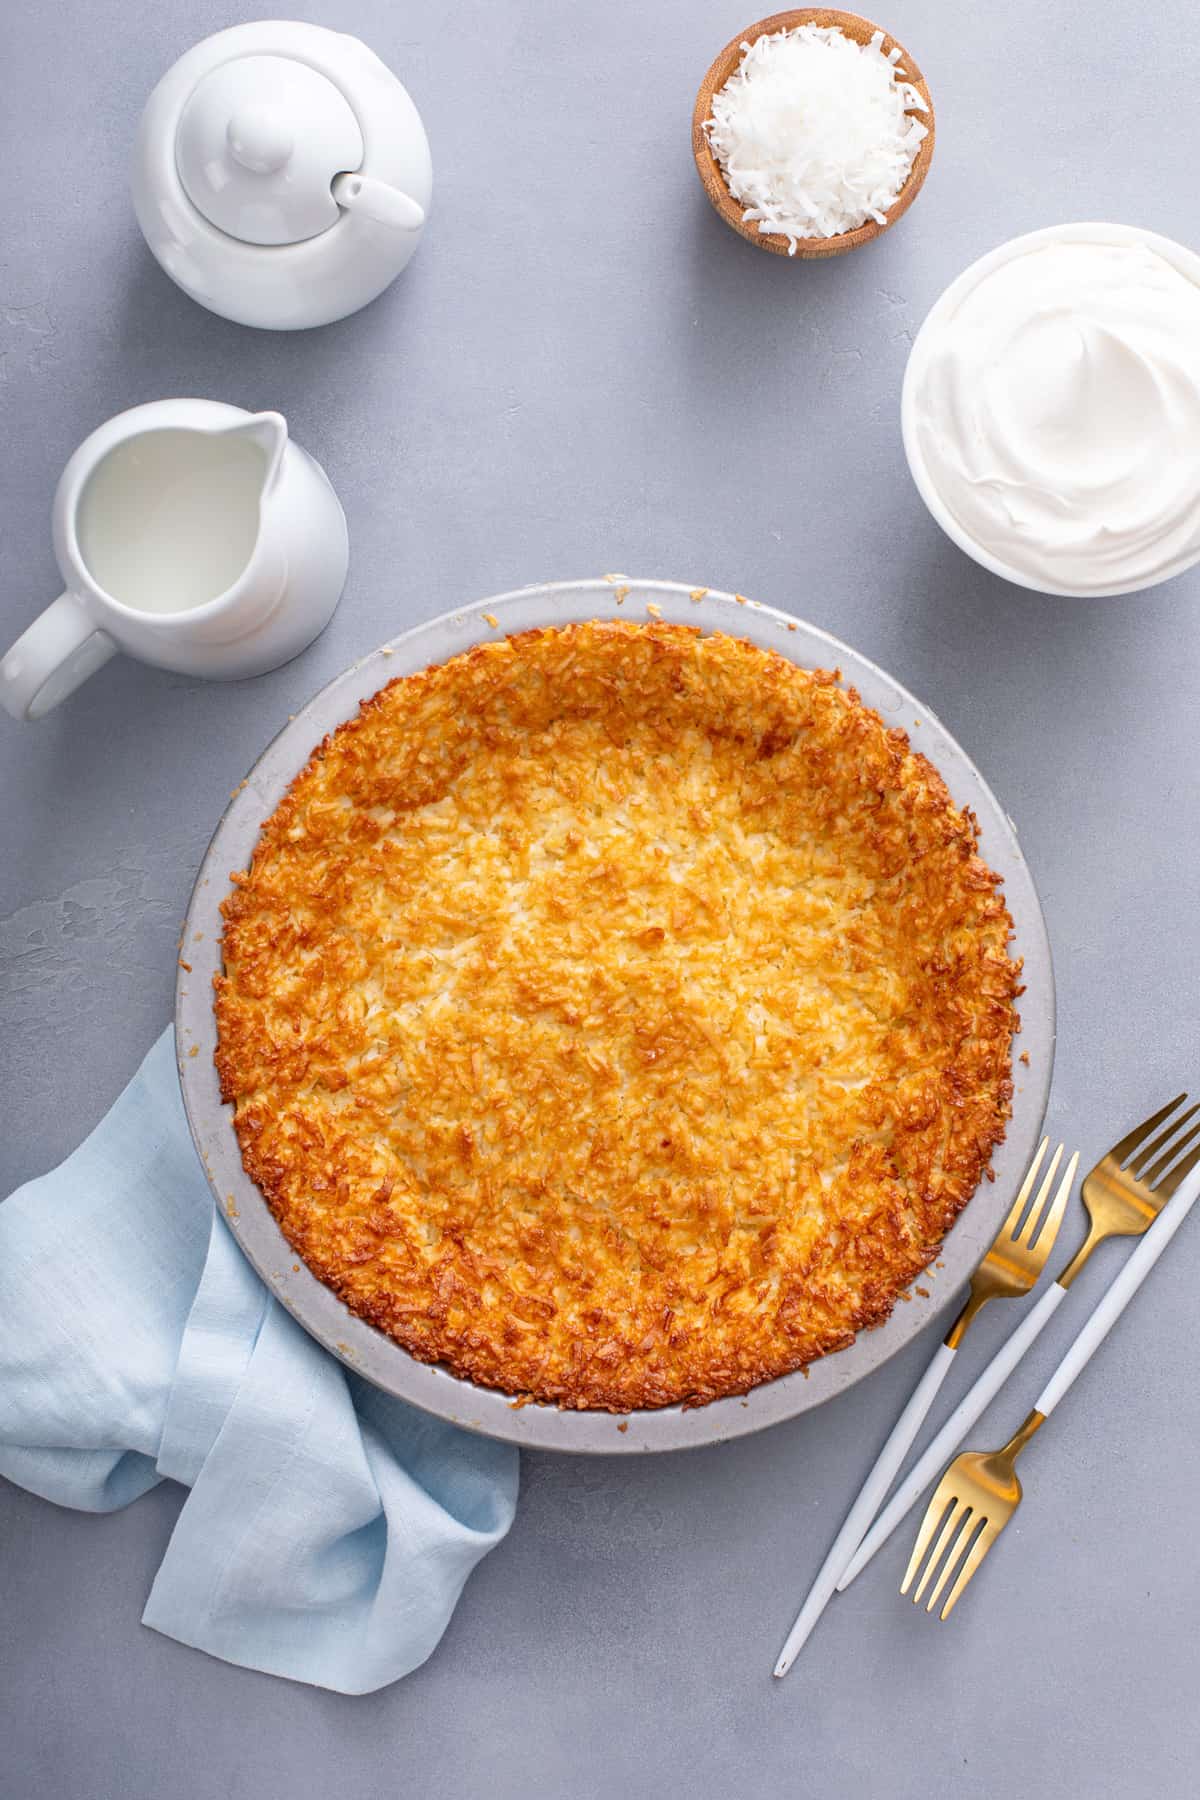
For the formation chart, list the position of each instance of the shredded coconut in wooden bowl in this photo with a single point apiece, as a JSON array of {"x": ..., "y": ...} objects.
[{"x": 814, "y": 133}]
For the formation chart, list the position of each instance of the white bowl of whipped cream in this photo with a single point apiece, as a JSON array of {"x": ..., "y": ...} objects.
[{"x": 1051, "y": 410}]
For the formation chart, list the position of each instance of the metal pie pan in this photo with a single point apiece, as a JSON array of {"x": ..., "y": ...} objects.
[{"x": 377, "y": 1357}]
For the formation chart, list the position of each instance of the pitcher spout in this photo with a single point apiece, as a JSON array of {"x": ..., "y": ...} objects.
[{"x": 269, "y": 431}]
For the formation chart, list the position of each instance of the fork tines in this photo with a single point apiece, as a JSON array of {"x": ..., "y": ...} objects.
[
  {"x": 1148, "y": 1165},
  {"x": 1041, "y": 1217},
  {"x": 976, "y": 1535}
]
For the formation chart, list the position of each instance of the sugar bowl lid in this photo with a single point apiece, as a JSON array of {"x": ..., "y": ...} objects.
[{"x": 260, "y": 140}]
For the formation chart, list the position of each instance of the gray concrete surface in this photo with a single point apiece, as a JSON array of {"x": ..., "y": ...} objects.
[{"x": 584, "y": 371}]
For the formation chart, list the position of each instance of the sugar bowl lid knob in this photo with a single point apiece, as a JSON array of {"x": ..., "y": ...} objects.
[
  {"x": 260, "y": 138},
  {"x": 259, "y": 143}
]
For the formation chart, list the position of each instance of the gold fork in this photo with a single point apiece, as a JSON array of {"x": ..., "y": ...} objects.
[
  {"x": 1118, "y": 1206},
  {"x": 980, "y": 1492},
  {"x": 1020, "y": 1252},
  {"x": 1010, "y": 1268}
]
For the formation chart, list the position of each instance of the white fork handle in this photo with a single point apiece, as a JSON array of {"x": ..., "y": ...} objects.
[
  {"x": 943, "y": 1446},
  {"x": 1120, "y": 1293},
  {"x": 863, "y": 1511}
]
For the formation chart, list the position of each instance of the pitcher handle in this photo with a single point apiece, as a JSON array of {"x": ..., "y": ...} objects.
[{"x": 60, "y": 650}]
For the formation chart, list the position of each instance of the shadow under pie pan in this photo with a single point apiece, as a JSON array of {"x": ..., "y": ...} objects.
[{"x": 379, "y": 1358}]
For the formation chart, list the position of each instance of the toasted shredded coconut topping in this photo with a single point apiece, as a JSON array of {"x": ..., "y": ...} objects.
[{"x": 617, "y": 1015}]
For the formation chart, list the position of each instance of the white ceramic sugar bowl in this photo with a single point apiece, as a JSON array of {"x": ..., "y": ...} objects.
[{"x": 282, "y": 174}]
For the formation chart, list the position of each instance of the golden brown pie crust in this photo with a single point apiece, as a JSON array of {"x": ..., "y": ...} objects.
[{"x": 617, "y": 1015}]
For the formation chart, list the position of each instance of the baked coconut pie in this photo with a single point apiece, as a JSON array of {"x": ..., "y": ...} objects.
[{"x": 616, "y": 1015}]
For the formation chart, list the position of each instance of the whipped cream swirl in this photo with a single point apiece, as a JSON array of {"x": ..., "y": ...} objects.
[{"x": 1057, "y": 410}]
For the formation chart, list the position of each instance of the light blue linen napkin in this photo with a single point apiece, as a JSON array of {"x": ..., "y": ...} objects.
[{"x": 330, "y": 1528}]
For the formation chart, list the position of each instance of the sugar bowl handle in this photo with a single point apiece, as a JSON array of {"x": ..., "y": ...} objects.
[
  {"x": 379, "y": 202},
  {"x": 49, "y": 661}
]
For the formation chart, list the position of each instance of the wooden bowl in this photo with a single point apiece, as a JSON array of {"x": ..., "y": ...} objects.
[{"x": 862, "y": 31}]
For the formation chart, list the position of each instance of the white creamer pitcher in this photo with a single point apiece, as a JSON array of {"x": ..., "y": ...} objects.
[{"x": 191, "y": 535}]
